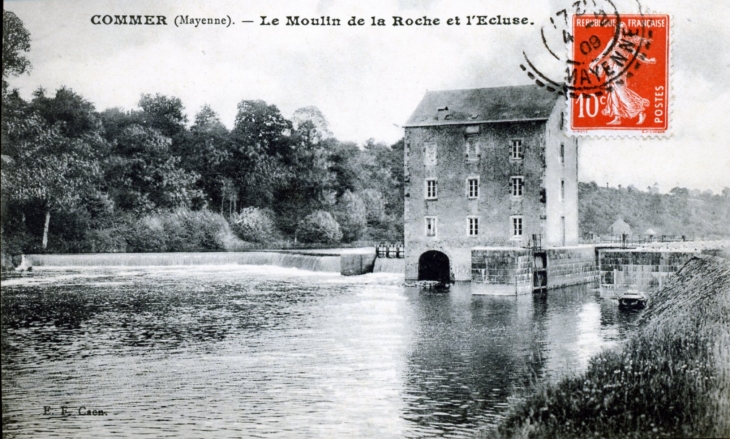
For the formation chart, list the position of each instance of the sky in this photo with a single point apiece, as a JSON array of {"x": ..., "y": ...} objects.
[{"x": 367, "y": 80}]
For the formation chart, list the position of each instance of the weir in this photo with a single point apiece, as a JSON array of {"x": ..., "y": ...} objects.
[
  {"x": 389, "y": 265},
  {"x": 322, "y": 263}
]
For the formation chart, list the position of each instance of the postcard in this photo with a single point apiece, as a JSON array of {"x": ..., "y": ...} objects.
[{"x": 395, "y": 218}]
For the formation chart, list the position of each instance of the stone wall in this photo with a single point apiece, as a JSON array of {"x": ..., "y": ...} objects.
[
  {"x": 353, "y": 264},
  {"x": 639, "y": 268},
  {"x": 571, "y": 266},
  {"x": 511, "y": 267},
  {"x": 503, "y": 266}
]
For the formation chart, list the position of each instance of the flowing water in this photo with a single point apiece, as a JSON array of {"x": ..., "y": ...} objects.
[
  {"x": 260, "y": 351},
  {"x": 388, "y": 265},
  {"x": 310, "y": 262}
]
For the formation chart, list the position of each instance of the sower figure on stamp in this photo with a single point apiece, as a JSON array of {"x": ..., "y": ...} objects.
[{"x": 621, "y": 101}]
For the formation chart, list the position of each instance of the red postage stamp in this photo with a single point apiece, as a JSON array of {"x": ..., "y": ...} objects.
[{"x": 620, "y": 74}]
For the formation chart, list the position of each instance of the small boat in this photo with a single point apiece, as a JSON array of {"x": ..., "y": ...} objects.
[{"x": 632, "y": 299}]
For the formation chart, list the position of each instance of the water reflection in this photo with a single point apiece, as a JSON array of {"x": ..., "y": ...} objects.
[
  {"x": 271, "y": 352},
  {"x": 468, "y": 354}
]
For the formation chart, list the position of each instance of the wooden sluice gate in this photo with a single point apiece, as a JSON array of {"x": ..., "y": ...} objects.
[{"x": 390, "y": 250}]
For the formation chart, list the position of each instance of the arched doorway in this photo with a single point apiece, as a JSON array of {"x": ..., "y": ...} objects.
[{"x": 434, "y": 265}]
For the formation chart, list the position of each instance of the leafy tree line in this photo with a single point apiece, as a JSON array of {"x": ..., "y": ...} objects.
[
  {"x": 78, "y": 179},
  {"x": 680, "y": 212}
]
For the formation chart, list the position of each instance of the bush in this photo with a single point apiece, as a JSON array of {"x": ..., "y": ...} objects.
[
  {"x": 196, "y": 230},
  {"x": 255, "y": 225},
  {"x": 109, "y": 240},
  {"x": 147, "y": 235},
  {"x": 319, "y": 226},
  {"x": 181, "y": 230}
]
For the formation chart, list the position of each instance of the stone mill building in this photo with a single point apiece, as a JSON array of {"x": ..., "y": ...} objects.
[{"x": 491, "y": 192}]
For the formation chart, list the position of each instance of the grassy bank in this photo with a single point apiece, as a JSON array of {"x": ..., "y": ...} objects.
[{"x": 671, "y": 380}]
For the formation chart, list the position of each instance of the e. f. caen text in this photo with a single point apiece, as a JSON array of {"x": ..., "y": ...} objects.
[{"x": 73, "y": 411}]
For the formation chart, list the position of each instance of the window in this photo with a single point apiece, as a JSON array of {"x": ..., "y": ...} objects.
[
  {"x": 472, "y": 147},
  {"x": 517, "y": 185},
  {"x": 562, "y": 154},
  {"x": 472, "y": 226},
  {"x": 430, "y": 226},
  {"x": 472, "y": 187},
  {"x": 472, "y": 142},
  {"x": 516, "y": 151},
  {"x": 562, "y": 190},
  {"x": 443, "y": 113},
  {"x": 430, "y": 154},
  {"x": 516, "y": 226},
  {"x": 431, "y": 189}
]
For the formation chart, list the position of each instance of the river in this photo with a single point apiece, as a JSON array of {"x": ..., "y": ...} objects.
[{"x": 259, "y": 351}]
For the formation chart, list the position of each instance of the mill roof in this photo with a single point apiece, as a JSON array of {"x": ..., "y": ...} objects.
[{"x": 480, "y": 105}]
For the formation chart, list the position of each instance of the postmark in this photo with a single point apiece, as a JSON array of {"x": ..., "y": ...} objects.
[{"x": 611, "y": 61}]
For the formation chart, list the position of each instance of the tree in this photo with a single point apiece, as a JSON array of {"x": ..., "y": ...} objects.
[
  {"x": 16, "y": 39},
  {"x": 396, "y": 195},
  {"x": 17, "y": 116},
  {"x": 55, "y": 146},
  {"x": 142, "y": 174},
  {"x": 74, "y": 116},
  {"x": 343, "y": 156},
  {"x": 50, "y": 170},
  {"x": 311, "y": 162},
  {"x": 319, "y": 124},
  {"x": 260, "y": 147},
  {"x": 351, "y": 214},
  {"x": 261, "y": 129},
  {"x": 114, "y": 120},
  {"x": 163, "y": 113},
  {"x": 375, "y": 202},
  {"x": 679, "y": 192},
  {"x": 208, "y": 122},
  {"x": 309, "y": 185},
  {"x": 206, "y": 152}
]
